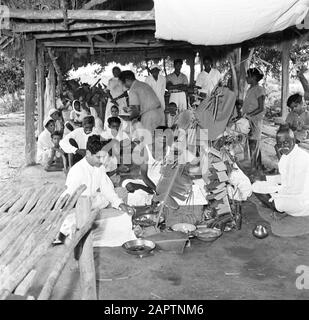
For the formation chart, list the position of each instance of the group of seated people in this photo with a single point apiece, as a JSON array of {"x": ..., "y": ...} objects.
[{"x": 97, "y": 152}]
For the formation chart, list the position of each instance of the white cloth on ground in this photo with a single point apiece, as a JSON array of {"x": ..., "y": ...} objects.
[
  {"x": 292, "y": 196},
  {"x": 101, "y": 191}
]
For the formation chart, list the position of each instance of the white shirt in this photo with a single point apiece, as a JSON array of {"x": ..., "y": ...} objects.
[
  {"x": 158, "y": 87},
  {"x": 121, "y": 135},
  {"x": 207, "y": 81},
  {"x": 79, "y": 136},
  {"x": 292, "y": 196},
  {"x": 43, "y": 147},
  {"x": 95, "y": 178}
]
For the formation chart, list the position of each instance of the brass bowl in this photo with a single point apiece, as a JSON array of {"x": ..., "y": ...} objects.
[
  {"x": 208, "y": 234},
  {"x": 138, "y": 247},
  {"x": 260, "y": 232}
]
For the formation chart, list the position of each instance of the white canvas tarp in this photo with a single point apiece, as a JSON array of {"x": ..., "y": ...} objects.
[{"x": 221, "y": 22}]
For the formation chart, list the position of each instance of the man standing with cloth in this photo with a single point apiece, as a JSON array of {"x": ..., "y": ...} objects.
[{"x": 143, "y": 102}]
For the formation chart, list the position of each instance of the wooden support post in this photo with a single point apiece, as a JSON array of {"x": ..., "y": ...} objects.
[
  {"x": 285, "y": 55},
  {"x": 86, "y": 259},
  {"x": 192, "y": 69},
  {"x": 40, "y": 73},
  {"x": 30, "y": 64}
]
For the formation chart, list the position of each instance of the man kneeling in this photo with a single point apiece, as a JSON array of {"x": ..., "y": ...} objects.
[{"x": 91, "y": 172}]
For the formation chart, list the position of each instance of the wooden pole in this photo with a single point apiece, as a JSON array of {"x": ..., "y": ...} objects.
[
  {"x": 91, "y": 32},
  {"x": 77, "y": 44},
  {"x": 40, "y": 88},
  {"x": 81, "y": 26},
  {"x": 86, "y": 259},
  {"x": 192, "y": 69},
  {"x": 65, "y": 255},
  {"x": 30, "y": 64},
  {"x": 105, "y": 15},
  {"x": 285, "y": 56}
]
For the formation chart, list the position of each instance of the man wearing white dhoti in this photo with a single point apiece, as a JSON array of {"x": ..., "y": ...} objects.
[
  {"x": 176, "y": 84},
  {"x": 290, "y": 192},
  {"x": 90, "y": 171},
  {"x": 157, "y": 82}
]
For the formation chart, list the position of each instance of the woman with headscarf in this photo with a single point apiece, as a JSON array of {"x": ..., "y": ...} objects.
[{"x": 253, "y": 109}]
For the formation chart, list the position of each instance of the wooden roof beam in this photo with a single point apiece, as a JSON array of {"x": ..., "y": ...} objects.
[
  {"x": 92, "y": 32},
  {"x": 101, "y": 39},
  {"x": 23, "y": 27},
  {"x": 77, "y": 44},
  {"x": 82, "y": 14}
]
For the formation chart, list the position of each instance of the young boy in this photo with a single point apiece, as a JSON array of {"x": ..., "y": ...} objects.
[
  {"x": 296, "y": 119},
  {"x": 57, "y": 160}
]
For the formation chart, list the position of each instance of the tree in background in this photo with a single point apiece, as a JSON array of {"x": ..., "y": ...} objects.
[
  {"x": 269, "y": 59},
  {"x": 11, "y": 80}
]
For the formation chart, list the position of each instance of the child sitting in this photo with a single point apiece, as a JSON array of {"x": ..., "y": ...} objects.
[
  {"x": 296, "y": 119},
  {"x": 56, "y": 160},
  {"x": 125, "y": 125}
]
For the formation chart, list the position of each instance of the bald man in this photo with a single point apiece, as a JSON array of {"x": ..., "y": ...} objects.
[{"x": 290, "y": 193}]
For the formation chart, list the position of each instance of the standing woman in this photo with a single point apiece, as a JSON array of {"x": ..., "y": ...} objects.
[{"x": 253, "y": 109}]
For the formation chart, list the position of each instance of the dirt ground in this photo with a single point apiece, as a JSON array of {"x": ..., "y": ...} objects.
[{"x": 236, "y": 266}]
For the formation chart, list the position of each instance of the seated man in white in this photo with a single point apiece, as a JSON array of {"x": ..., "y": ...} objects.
[
  {"x": 90, "y": 171},
  {"x": 45, "y": 143},
  {"x": 75, "y": 142},
  {"x": 290, "y": 190}
]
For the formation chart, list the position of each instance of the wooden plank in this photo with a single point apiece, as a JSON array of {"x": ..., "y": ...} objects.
[
  {"x": 67, "y": 251},
  {"x": 91, "y": 32},
  {"x": 285, "y": 55},
  {"x": 25, "y": 285},
  {"x": 40, "y": 73},
  {"x": 30, "y": 65},
  {"x": 9, "y": 279},
  {"x": 86, "y": 259},
  {"x": 50, "y": 27},
  {"x": 76, "y": 44},
  {"x": 82, "y": 14}
]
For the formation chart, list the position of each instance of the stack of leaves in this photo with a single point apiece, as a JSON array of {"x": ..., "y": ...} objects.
[{"x": 216, "y": 185}]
